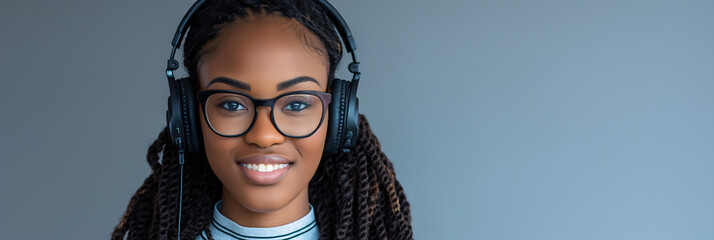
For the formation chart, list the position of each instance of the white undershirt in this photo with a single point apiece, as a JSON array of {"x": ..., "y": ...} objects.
[{"x": 223, "y": 228}]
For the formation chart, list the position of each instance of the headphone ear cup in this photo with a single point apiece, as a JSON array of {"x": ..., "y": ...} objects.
[
  {"x": 189, "y": 115},
  {"x": 173, "y": 114},
  {"x": 336, "y": 123}
]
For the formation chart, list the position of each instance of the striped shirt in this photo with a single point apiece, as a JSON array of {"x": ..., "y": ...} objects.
[{"x": 223, "y": 228}]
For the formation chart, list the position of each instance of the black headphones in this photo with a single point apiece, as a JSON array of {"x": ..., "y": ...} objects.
[{"x": 182, "y": 116}]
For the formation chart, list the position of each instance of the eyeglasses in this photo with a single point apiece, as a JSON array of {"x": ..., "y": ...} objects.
[{"x": 231, "y": 114}]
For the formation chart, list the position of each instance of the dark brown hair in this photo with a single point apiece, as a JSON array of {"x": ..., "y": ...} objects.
[{"x": 356, "y": 195}]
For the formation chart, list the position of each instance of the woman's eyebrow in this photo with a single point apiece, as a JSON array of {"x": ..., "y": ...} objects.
[
  {"x": 232, "y": 82},
  {"x": 291, "y": 82}
]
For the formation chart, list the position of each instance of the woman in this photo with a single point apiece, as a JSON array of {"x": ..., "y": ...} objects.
[{"x": 263, "y": 71}]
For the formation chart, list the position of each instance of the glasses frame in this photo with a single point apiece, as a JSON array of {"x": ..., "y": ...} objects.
[{"x": 325, "y": 99}]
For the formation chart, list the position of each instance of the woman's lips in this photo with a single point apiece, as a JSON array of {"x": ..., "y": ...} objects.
[{"x": 264, "y": 169}]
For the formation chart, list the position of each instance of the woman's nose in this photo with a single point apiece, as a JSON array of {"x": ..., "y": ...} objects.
[{"x": 263, "y": 133}]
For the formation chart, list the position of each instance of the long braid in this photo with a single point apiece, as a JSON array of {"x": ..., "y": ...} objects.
[
  {"x": 382, "y": 210},
  {"x": 346, "y": 198},
  {"x": 139, "y": 206},
  {"x": 153, "y": 210},
  {"x": 362, "y": 197},
  {"x": 355, "y": 195},
  {"x": 168, "y": 196}
]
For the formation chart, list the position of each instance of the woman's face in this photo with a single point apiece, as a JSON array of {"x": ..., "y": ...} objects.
[{"x": 259, "y": 55}]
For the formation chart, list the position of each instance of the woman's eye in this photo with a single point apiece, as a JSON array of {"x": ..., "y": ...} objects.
[
  {"x": 231, "y": 106},
  {"x": 296, "y": 106}
]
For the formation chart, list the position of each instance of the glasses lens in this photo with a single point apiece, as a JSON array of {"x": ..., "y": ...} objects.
[
  {"x": 298, "y": 114},
  {"x": 228, "y": 113}
]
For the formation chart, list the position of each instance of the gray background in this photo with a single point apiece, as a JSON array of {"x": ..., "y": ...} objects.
[{"x": 504, "y": 119}]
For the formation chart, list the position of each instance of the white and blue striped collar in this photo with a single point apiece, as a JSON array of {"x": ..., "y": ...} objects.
[{"x": 223, "y": 228}]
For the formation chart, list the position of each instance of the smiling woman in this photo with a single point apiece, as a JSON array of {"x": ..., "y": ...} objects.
[
  {"x": 263, "y": 59},
  {"x": 266, "y": 100}
]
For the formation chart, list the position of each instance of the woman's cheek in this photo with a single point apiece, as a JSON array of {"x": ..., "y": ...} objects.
[
  {"x": 218, "y": 151},
  {"x": 312, "y": 148}
]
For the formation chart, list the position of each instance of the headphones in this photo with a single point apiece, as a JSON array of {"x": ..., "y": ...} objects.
[{"x": 182, "y": 116}]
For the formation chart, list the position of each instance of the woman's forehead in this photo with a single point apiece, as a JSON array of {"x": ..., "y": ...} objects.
[{"x": 262, "y": 51}]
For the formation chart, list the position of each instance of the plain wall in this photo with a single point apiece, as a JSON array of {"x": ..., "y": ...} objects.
[{"x": 504, "y": 119}]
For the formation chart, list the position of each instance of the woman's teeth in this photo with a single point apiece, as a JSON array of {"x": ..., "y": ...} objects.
[{"x": 264, "y": 167}]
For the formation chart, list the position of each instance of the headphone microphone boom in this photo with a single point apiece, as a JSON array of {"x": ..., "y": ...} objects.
[{"x": 182, "y": 113}]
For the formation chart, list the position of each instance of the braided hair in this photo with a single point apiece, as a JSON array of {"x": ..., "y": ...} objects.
[{"x": 355, "y": 195}]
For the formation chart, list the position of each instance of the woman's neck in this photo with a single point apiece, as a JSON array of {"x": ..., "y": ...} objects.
[{"x": 238, "y": 213}]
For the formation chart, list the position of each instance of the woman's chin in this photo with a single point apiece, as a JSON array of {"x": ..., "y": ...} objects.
[{"x": 265, "y": 203}]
